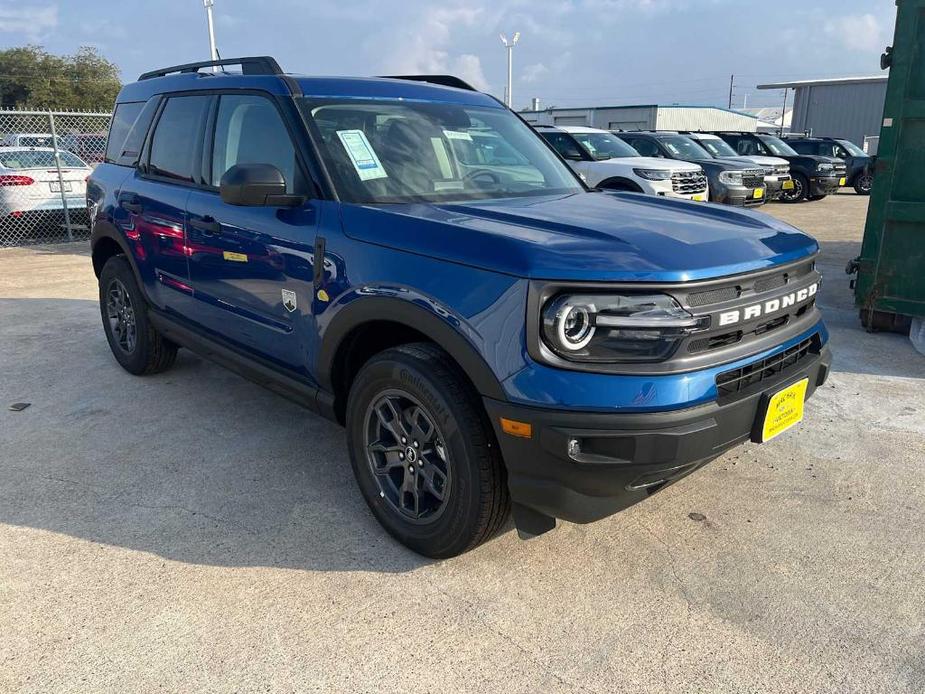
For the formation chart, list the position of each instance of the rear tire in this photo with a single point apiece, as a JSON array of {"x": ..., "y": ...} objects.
[
  {"x": 799, "y": 191},
  {"x": 424, "y": 453},
  {"x": 138, "y": 347}
]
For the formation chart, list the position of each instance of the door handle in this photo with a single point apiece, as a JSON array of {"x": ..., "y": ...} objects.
[
  {"x": 132, "y": 206},
  {"x": 206, "y": 224}
]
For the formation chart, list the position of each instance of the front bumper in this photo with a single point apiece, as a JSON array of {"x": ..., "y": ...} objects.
[
  {"x": 824, "y": 185},
  {"x": 624, "y": 458},
  {"x": 741, "y": 196},
  {"x": 775, "y": 185}
]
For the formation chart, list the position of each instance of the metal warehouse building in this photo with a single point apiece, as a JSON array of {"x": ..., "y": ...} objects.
[
  {"x": 849, "y": 107},
  {"x": 649, "y": 117}
]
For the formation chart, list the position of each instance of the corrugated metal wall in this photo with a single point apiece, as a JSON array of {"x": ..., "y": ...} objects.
[
  {"x": 706, "y": 119},
  {"x": 853, "y": 111}
]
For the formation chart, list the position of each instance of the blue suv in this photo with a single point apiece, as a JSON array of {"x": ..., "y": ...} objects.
[{"x": 407, "y": 257}]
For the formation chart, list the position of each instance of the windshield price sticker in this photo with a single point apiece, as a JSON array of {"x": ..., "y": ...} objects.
[
  {"x": 457, "y": 135},
  {"x": 362, "y": 155}
]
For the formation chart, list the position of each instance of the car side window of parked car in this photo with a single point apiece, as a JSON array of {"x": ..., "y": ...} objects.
[
  {"x": 646, "y": 148},
  {"x": 176, "y": 135},
  {"x": 563, "y": 144},
  {"x": 249, "y": 130}
]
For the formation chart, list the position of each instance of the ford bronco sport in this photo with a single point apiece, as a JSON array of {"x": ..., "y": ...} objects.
[{"x": 493, "y": 335}]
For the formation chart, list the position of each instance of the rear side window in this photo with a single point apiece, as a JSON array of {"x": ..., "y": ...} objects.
[
  {"x": 122, "y": 121},
  {"x": 249, "y": 130},
  {"x": 176, "y": 135}
]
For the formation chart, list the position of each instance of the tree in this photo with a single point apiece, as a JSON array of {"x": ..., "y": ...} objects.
[{"x": 32, "y": 78}]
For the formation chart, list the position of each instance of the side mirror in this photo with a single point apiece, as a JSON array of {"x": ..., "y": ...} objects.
[
  {"x": 572, "y": 155},
  {"x": 256, "y": 185}
]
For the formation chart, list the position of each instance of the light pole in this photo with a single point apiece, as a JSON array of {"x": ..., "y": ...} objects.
[
  {"x": 212, "y": 50},
  {"x": 508, "y": 99}
]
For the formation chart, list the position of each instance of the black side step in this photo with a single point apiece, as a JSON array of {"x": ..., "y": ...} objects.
[{"x": 250, "y": 367}]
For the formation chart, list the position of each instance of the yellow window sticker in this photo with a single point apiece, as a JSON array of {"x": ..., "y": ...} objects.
[
  {"x": 362, "y": 155},
  {"x": 235, "y": 257}
]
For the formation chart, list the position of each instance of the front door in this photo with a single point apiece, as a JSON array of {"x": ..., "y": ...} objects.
[{"x": 251, "y": 267}]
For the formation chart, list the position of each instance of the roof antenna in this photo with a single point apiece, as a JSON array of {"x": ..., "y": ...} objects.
[{"x": 219, "y": 56}]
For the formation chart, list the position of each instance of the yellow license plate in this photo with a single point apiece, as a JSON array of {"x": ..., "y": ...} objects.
[
  {"x": 842, "y": 181},
  {"x": 788, "y": 185},
  {"x": 699, "y": 197},
  {"x": 785, "y": 409},
  {"x": 758, "y": 194}
]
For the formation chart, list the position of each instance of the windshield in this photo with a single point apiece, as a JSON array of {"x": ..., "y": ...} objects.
[
  {"x": 717, "y": 147},
  {"x": 777, "y": 146},
  {"x": 393, "y": 151},
  {"x": 682, "y": 147},
  {"x": 37, "y": 159},
  {"x": 604, "y": 145},
  {"x": 852, "y": 148}
]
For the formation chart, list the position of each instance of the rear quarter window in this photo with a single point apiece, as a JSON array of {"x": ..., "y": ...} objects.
[{"x": 130, "y": 123}]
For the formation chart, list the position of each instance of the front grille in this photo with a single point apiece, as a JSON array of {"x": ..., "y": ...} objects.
[
  {"x": 729, "y": 384},
  {"x": 688, "y": 182},
  {"x": 713, "y": 296},
  {"x": 766, "y": 284},
  {"x": 840, "y": 169},
  {"x": 753, "y": 178}
]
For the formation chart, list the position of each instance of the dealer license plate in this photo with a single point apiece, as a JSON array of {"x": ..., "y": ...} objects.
[
  {"x": 55, "y": 186},
  {"x": 842, "y": 181},
  {"x": 785, "y": 409},
  {"x": 699, "y": 197},
  {"x": 758, "y": 194},
  {"x": 788, "y": 185}
]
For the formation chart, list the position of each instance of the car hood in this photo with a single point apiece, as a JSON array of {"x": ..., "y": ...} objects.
[
  {"x": 653, "y": 163},
  {"x": 585, "y": 236},
  {"x": 761, "y": 160}
]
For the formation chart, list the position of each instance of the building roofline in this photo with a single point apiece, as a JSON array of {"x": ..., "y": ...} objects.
[
  {"x": 558, "y": 109},
  {"x": 870, "y": 79}
]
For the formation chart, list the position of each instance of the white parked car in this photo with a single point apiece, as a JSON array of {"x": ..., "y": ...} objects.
[
  {"x": 27, "y": 140},
  {"x": 607, "y": 162},
  {"x": 29, "y": 183},
  {"x": 776, "y": 170}
]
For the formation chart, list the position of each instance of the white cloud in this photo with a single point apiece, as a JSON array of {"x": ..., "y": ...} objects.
[
  {"x": 857, "y": 32},
  {"x": 30, "y": 21},
  {"x": 469, "y": 68},
  {"x": 534, "y": 72}
]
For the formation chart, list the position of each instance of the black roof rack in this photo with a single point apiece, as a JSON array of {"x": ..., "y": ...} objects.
[
  {"x": 442, "y": 80},
  {"x": 254, "y": 65}
]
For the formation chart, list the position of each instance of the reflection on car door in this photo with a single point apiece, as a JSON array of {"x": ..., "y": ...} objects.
[{"x": 251, "y": 267}]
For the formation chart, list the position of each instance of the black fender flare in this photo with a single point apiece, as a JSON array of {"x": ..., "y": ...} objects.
[
  {"x": 632, "y": 185},
  {"x": 104, "y": 229},
  {"x": 405, "y": 311}
]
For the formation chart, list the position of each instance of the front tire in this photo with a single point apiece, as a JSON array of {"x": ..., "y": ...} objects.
[
  {"x": 799, "y": 191},
  {"x": 423, "y": 452},
  {"x": 863, "y": 184},
  {"x": 138, "y": 347}
]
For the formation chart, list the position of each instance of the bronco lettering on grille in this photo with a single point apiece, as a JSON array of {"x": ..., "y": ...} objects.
[{"x": 766, "y": 308}]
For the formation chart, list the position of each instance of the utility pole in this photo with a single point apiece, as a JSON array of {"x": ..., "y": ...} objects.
[
  {"x": 508, "y": 98},
  {"x": 732, "y": 81},
  {"x": 783, "y": 114},
  {"x": 213, "y": 52}
]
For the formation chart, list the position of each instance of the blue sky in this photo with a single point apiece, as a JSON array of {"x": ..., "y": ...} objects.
[{"x": 571, "y": 53}]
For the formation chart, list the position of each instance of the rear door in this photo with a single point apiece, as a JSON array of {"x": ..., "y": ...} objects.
[
  {"x": 151, "y": 210},
  {"x": 251, "y": 267}
]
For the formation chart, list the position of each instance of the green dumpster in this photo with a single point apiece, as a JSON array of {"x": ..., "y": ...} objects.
[{"x": 890, "y": 283}]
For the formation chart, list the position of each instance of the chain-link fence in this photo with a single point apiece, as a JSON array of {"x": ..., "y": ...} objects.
[{"x": 45, "y": 160}]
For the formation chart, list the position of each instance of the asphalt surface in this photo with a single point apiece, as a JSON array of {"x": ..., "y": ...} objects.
[{"x": 191, "y": 531}]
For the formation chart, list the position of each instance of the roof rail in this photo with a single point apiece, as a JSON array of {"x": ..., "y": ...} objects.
[
  {"x": 254, "y": 65},
  {"x": 442, "y": 80}
]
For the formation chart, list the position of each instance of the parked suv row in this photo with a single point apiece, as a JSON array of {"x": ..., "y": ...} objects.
[
  {"x": 731, "y": 182},
  {"x": 859, "y": 164},
  {"x": 814, "y": 176},
  {"x": 406, "y": 257},
  {"x": 776, "y": 170},
  {"x": 607, "y": 162}
]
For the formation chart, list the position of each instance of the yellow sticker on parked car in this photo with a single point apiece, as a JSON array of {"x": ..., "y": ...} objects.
[
  {"x": 788, "y": 185},
  {"x": 699, "y": 197},
  {"x": 759, "y": 193},
  {"x": 842, "y": 181},
  {"x": 785, "y": 409},
  {"x": 235, "y": 257}
]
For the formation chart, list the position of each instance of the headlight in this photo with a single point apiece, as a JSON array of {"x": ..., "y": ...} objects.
[
  {"x": 769, "y": 170},
  {"x": 654, "y": 174},
  {"x": 822, "y": 166},
  {"x": 731, "y": 178},
  {"x": 609, "y": 328}
]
